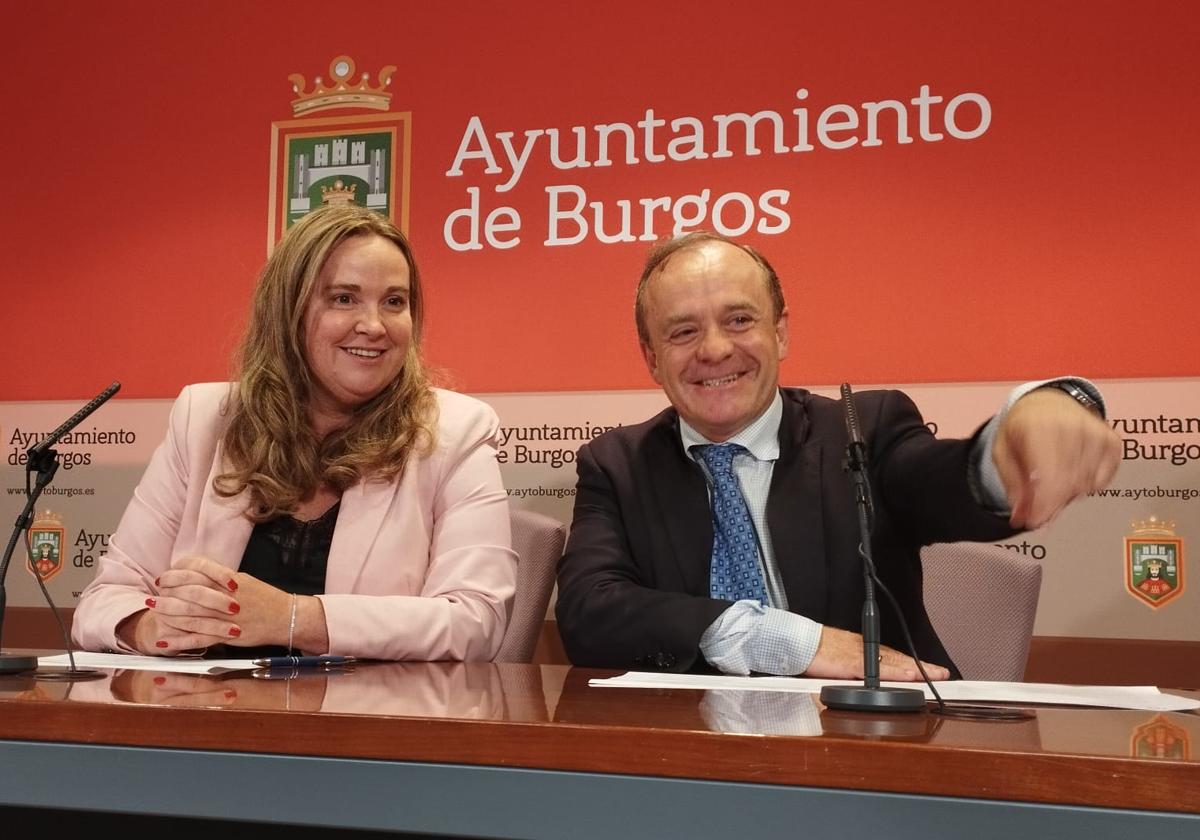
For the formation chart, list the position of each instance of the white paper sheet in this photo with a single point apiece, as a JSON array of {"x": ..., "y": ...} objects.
[
  {"x": 1146, "y": 698},
  {"x": 170, "y": 664}
]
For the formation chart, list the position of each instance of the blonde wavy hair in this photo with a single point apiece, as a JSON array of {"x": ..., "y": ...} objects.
[{"x": 270, "y": 447}]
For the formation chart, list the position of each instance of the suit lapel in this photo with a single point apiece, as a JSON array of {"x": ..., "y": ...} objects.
[
  {"x": 683, "y": 500},
  {"x": 360, "y": 518},
  {"x": 795, "y": 513},
  {"x": 222, "y": 529}
]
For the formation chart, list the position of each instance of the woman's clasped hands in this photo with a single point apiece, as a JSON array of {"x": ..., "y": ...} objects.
[{"x": 200, "y": 603}]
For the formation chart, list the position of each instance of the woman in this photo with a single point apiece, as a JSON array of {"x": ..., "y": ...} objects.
[{"x": 330, "y": 501}]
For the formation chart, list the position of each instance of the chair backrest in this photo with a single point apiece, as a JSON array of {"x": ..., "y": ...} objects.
[
  {"x": 982, "y": 600},
  {"x": 538, "y": 540}
]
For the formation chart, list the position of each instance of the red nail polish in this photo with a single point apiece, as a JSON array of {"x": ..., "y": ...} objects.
[
  {"x": 156, "y": 581},
  {"x": 230, "y": 695},
  {"x": 150, "y": 602},
  {"x": 235, "y": 607},
  {"x": 159, "y": 680},
  {"x": 235, "y": 631},
  {"x": 232, "y": 585},
  {"x": 160, "y": 643}
]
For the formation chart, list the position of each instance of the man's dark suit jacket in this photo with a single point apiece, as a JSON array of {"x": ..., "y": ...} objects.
[{"x": 633, "y": 582}]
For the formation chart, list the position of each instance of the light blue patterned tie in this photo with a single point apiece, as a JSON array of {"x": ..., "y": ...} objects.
[{"x": 734, "y": 574}]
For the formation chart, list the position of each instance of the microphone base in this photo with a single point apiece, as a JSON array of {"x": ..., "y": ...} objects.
[
  {"x": 11, "y": 663},
  {"x": 68, "y": 674},
  {"x": 859, "y": 698}
]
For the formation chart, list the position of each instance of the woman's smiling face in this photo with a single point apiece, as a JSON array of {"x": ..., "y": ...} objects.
[{"x": 357, "y": 327}]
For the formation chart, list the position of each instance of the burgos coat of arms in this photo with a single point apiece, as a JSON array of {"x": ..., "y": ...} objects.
[
  {"x": 1153, "y": 561},
  {"x": 46, "y": 545},
  {"x": 344, "y": 158}
]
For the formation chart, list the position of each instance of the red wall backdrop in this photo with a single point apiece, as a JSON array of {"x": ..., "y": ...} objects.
[{"x": 136, "y": 167}]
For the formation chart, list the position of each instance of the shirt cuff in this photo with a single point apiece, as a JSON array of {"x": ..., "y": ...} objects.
[
  {"x": 762, "y": 712},
  {"x": 983, "y": 476},
  {"x": 750, "y": 638}
]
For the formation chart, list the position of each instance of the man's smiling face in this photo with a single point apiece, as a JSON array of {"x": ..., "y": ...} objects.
[{"x": 714, "y": 341}]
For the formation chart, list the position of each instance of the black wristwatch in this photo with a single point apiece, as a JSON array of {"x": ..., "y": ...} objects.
[{"x": 1078, "y": 394}]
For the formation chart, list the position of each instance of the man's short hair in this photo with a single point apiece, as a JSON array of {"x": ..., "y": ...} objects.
[{"x": 657, "y": 259}]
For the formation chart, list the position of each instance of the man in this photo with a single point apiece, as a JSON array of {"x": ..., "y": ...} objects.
[
  {"x": 688, "y": 552},
  {"x": 1154, "y": 584}
]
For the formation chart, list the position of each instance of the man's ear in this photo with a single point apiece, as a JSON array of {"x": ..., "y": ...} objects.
[
  {"x": 651, "y": 360},
  {"x": 781, "y": 333}
]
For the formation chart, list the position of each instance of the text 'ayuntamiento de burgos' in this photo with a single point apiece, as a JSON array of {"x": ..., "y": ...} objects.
[{"x": 571, "y": 218}]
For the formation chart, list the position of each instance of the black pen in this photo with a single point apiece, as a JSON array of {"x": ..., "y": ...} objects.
[{"x": 304, "y": 661}]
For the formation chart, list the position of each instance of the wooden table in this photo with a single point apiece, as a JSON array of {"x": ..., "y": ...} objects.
[{"x": 531, "y": 751}]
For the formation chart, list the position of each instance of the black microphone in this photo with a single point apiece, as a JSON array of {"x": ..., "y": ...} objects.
[
  {"x": 856, "y": 456},
  {"x": 38, "y": 452},
  {"x": 869, "y": 696},
  {"x": 43, "y": 461}
]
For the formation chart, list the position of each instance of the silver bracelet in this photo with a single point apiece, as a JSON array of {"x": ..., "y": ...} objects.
[{"x": 292, "y": 625}]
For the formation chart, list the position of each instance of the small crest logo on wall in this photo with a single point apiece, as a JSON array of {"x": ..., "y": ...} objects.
[
  {"x": 47, "y": 538},
  {"x": 1160, "y": 738},
  {"x": 360, "y": 159},
  {"x": 1153, "y": 561}
]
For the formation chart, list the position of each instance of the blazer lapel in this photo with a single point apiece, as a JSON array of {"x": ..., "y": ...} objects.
[
  {"x": 360, "y": 518},
  {"x": 795, "y": 514},
  {"x": 222, "y": 529},
  {"x": 682, "y": 496}
]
